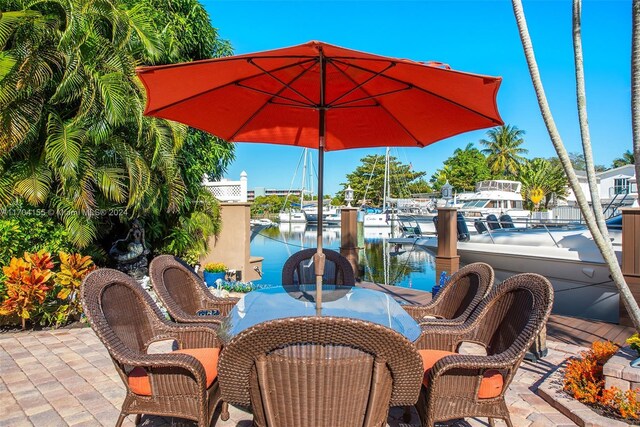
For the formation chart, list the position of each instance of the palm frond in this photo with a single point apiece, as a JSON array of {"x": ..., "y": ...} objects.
[
  {"x": 33, "y": 182},
  {"x": 63, "y": 146}
]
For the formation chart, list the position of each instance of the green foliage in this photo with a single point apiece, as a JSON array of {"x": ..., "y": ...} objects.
[
  {"x": 72, "y": 135},
  {"x": 545, "y": 175},
  {"x": 463, "y": 169},
  {"x": 504, "y": 154},
  {"x": 625, "y": 159},
  {"x": 23, "y": 232},
  {"x": 578, "y": 162},
  {"x": 370, "y": 173},
  {"x": 271, "y": 204}
]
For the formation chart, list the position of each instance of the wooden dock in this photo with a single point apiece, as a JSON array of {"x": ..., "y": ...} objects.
[{"x": 569, "y": 330}]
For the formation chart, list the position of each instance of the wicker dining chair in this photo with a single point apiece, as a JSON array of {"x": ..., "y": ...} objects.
[
  {"x": 184, "y": 294},
  {"x": 299, "y": 269},
  {"x": 455, "y": 302},
  {"x": 182, "y": 383},
  {"x": 319, "y": 372},
  {"x": 505, "y": 324}
]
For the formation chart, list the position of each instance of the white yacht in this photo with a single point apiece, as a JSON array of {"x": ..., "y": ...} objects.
[
  {"x": 293, "y": 216},
  {"x": 495, "y": 197},
  {"x": 567, "y": 256}
]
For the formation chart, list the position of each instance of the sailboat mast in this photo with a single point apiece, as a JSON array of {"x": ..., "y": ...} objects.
[
  {"x": 386, "y": 180},
  {"x": 304, "y": 175}
]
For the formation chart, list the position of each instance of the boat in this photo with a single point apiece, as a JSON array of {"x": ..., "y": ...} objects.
[
  {"x": 497, "y": 197},
  {"x": 293, "y": 216},
  {"x": 565, "y": 255},
  {"x": 261, "y": 221}
]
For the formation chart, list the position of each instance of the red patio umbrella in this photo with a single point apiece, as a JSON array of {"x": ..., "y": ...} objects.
[{"x": 322, "y": 96}]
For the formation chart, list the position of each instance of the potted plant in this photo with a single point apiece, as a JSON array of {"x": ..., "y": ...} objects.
[{"x": 214, "y": 271}]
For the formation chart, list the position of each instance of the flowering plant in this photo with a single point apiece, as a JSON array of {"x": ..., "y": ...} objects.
[
  {"x": 634, "y": 342},
  {"x": 215, "y": 267}
]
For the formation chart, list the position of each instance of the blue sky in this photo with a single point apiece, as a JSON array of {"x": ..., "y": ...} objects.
[{"x": 478, "y": 36}]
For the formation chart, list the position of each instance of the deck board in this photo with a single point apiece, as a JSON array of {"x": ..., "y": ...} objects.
[{"x": 570, "y": 330}]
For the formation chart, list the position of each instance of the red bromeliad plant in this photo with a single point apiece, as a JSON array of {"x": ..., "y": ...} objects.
[
  {"x": 73, "y": 268},
  {"x": 27, "y": 284}
]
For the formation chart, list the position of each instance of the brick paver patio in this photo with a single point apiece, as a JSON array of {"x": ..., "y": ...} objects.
[{"x": 65, "y": 377}]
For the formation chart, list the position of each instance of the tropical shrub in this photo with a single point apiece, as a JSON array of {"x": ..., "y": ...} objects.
[
  {"x": 36, "y": 293},
  {"x": 22, "y": 233},
  {"x": 27, "y": 282},
  {"x": 73, "y": 268},
  {"x": 73, "y": 140},
  {"x": 584, "y": 381}
]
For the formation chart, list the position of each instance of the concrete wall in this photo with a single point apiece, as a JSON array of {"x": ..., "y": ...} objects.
[{"x": 232, "y": 246}]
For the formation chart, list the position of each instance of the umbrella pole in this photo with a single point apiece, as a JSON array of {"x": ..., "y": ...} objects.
[{"x": 322, "y": 126}]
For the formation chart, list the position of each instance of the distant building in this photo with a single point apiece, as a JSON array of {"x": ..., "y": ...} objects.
[
  {"x": 261, "y": 191},
  {"x": 614, "y": 185}
]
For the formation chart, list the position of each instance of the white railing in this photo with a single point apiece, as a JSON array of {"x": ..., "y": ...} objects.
[{"x": 228, "y": 191}]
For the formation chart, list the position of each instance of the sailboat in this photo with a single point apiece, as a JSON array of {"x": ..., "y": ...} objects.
[
  {"x": 297, "y": 216},
  {"x": 388, "y": 217}
]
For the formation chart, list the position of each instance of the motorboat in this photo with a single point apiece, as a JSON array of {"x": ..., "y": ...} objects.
[
  {"x": 496, "y": 197},
  {"x": 261, "y": 221},
  {"x": 293, "y": 216},
  {"x": 566, "y": 255}
]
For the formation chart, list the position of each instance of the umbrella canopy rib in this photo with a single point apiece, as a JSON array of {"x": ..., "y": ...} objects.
[
  {"x": 288, "y": 85},
  {"x": 457, "y": 104},
  {"x": 262, "y": 107},
  {"x": 391, "y": 116},
  {"x": 392, "y": 64},
  {"x": 213, "y": 89}
]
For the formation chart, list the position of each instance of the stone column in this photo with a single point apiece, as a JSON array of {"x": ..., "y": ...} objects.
[
  {"x": 447, "y": 258},
  {"x": 349, "y": 237},
  {"x": 630, "y": 257},
  {"x": 232, "y": 245}
]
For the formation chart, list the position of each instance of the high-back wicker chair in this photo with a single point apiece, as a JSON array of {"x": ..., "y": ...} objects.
[
  {"x": 506, "y": 324},
  {"x": 320, "y": 372},
  {"x": 299, "y": 269},
  {"x": 180, "y": 384},
  {"x": 183, "y": 293},
  {"x": 455, "y": 302}
]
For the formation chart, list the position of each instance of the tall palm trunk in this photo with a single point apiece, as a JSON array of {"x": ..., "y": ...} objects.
[
  {"x": 603, "y": 245},
  {"x": 635, "y": 86},
  {"x": 584, "y": 124}
]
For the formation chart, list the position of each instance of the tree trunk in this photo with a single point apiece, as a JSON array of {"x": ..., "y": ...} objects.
[
  {"x": 581, "y": 97},
  {"x": 635, "y": 86},
  {"x": 603, "y": 245}
]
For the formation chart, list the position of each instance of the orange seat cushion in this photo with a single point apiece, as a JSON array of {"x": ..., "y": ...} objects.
[
  {"x": 490, "y": 386},
  {"x": 139, "y": 380}
]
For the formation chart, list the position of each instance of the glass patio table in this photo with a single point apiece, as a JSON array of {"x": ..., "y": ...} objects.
[{"x": 337, "y": 301}]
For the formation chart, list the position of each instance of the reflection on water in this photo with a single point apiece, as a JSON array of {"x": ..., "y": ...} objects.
[{"x": 379, "y": 262}]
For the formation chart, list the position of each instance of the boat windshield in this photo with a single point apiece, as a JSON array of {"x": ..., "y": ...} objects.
[
  {"x": 475, "y": 203},
  {"x": 615, "y": 223}
]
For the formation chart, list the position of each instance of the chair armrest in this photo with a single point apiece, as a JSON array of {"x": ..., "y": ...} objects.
[
  {"x": 461, "y": 375},
  {"x": 161, "y": 360},
  {"x": 224, "y": 305},
  {"x": 443, "y": 337},
  {"x": 188, "y": 335},
  {"x": 419, "y": 311},
  {"x": 440, "y": 322}
]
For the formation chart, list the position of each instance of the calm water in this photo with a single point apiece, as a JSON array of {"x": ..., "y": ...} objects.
[{"x": 379, "y": 262}]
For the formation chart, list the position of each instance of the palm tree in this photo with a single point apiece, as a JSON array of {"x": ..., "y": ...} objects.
[
  {"x": 541, "y": 174},
  {"x": 603, "y": 244},
  {"x": 626, "y": 159},
  {"x": 503, "y": 149},
  {"x": 635, "y": 83}
]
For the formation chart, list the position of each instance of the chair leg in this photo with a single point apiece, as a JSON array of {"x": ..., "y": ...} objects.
[
  {"x": 492, "y": 422},
  {"x": 224, "y": 411},
  {"x": 121, "y": 419},
  {"x": 137, "y": 420},
  {"x": 507, "y": 420}
]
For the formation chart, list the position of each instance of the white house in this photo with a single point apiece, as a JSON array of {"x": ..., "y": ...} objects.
[{"x": 615, "y": 185}]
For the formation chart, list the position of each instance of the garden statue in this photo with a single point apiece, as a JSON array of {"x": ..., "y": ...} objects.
[{"x": 132, "y": 258}]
